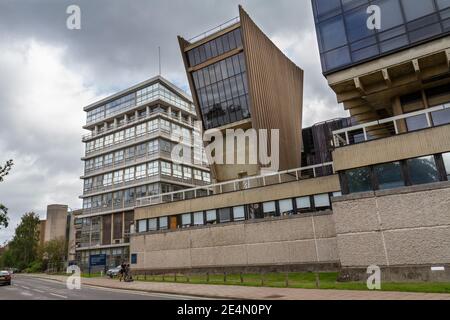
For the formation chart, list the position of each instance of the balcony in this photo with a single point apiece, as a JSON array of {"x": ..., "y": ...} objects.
[
  {"x": 239, "y": 185},
  {"x": 137, "y": 120},
  {"x": 410, "y": 122}
]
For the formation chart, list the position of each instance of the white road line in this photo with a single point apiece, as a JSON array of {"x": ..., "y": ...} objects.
[
  {"x": 26, "y": 288},
  {"x": 58, "y": 295},
  {"x": 37, "y": 290}
]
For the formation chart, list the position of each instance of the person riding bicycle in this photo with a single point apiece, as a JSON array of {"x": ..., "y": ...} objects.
[{"x": 122, "y": 271}]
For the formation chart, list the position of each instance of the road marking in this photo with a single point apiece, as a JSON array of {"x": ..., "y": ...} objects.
[
  {"x": 58, "y": 295},
  {"x": 37, "y": 290},
  {"x": 26, "y": 288}
]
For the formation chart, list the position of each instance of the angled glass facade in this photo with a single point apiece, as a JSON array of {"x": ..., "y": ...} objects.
[
  {"x": 222, "y": 91},
  {"x": 345, "y": 40}
]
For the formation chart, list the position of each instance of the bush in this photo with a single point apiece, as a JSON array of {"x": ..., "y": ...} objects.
[{"x": 34, "y": 267}]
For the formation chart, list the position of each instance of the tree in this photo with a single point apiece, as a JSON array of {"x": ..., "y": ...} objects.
[
  {"x": 24, "y": 245},
  {"x": 54, "y": 252},
  {"x": 4, "y": 171}
]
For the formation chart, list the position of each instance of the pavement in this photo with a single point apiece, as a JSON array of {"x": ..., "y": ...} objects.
[
  {"x": 25, "y": 287},
  {"x": 236, "y": 292}
]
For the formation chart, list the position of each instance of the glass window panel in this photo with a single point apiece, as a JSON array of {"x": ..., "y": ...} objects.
[
  {"x": 269, "y": 208},
  {"x": 423, "y": 170},
  {"x": 359, "y": 180},
  {"x": 322, "y": 200},
  {"x": 446, "y": 157},
  {"x": 391, "y": 14},
  {"x": 326, "y": 8},
  {"x": 152, "y": 225},
  {"x": 186, "y": 219},
  {"x": 163, "y": 223},
  {"x": 389, "y": 176},
  {"x": 286, "y": 206},
  {"x": 239, "y": 213},
  {"x": 225, "y": 215},
  {"x": 332, "y": 34},
  {"x": 416, "y": 122},
  {"x": 441, "y": 117},
  {"x": 417, "y": 9},
  {"x": 303, "y": 203},
  {"x": 198, "y": 219},
  {"x": 142, "y": 226},
  {"x": 356, "y": 24},
  {"x": 337, "y": 58},
  {"x": 211, "y": 216},
  {"x": 442, "y": 4}
]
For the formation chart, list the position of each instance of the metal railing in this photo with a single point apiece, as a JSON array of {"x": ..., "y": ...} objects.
[
  {"x": 239, "y": 185},
  {"x": 214, "y": 30},
  {"x": 343, "y": 137}
]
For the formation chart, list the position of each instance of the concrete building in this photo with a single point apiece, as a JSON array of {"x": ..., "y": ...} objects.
[
  {"x": 129, "y": 156},
  {"x": 383, "y": 198},
  {"x": 55, "y": 226},
  {"x": 241, "y": 80}
]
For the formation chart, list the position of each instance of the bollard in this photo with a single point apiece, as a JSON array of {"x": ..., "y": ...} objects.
[
  {"x": 262, "y": 279},
  {"x": 241, "y": 277},
  {"x": 207, "y": 277},
  {"x": 224, "y": 277},
  {"x": 317, "y": 281},
  {"x": 287, "y": 280}
]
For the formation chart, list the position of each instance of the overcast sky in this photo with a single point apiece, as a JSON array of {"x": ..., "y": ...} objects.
[{"x": 48, "y": 73}]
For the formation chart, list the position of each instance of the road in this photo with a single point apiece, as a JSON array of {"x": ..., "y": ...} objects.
[{"x": 31, "y": 288}]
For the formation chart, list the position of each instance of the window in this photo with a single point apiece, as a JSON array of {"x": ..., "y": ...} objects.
[
  {"x": 206, "y": 177},
  {"x": 141, "y": 171},
  {"x": 134, "y": 258},
  {"x": 165, "y": 125},
  {"x": 416, "y": 9},
  {"x": 187, "y": 173},
  {"x": 186, "y": 220},
  {"x": 142, "y": 225},
  {"x": 197, "y": 175},
  {"x": 153, "y": 146},
  {"x": 163, "y": 223},
  {"x": 130, "y": 153},
  {"x": 118, "y": 177},
  {"x": 141, "y": 129},
  {"x": 129, "y": 196},
  {"x": 198, "y": 219},
  {"x": 108, "y": 159},
  {"x": 98, "y": 162},
  {"x": 166, "y": 168},
  {"x": 141, "y": 192},
  {"x": 416, "y": 123},
  {"x": 141, "y": 149},
  {"x": 177, "y": 171},
  {"x": 269, "y": 209},
  {"x": 359, "y": 180},
  {"x": 442, "y": 4},
  {"x": 153, "y": 168},
  {"x": 322, "y": 201},
  {"x": 423, "y": 170},
  {"x": 286, "y": 207},
  {"x": 118, "y": 157},
  {"x": 119, "y": 136},
  {"x": 129, "y": 174},
  {"x": 107, "y": 179},
  {"x": 446, "y": 157},
  {"x": 239, "y": 213},
  {"x": 165, "y": 146},
  {"x": 88, "y": 184},
  {"x": 224, "y": 215},
  {"x": 87, "y": 204},
  {"x": 152, "y": 224},
  {"x": 129, "y": 133},
  {"x": 211, "y": 217},
  {"x": 109, "y": 140},
  {"x": 153, "y": 125},
  {"x": 99, "y": 143},
  {"x": 389, "y": 176},
  {"x": 89, "y": 165},
  {"x": 441, "y": 117},
  {"x": 303, "y": 204}
]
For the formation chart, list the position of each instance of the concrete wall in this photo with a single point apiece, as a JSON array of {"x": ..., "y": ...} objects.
[
  {"x": 56, "y": 223},
  {"x": 285, "y": 241},
  {"x": 250, "y": 196},
  {"x": 400, "y": 147},
  {"x": 404, "y": 227}
]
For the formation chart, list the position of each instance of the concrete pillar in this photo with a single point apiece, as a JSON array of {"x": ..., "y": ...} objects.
[{"x": 397, "y": 111}]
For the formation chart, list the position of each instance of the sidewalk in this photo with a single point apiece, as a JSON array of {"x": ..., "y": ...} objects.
[{"x": 245, "y": 293}]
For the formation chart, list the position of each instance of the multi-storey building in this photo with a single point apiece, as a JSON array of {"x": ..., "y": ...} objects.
[
  {"x": 129, "y": 156},
  {"x": 383, "y": 197},
  {"x": 241, "y": 80}
]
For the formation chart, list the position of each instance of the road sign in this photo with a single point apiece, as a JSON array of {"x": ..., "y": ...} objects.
[{"x": 97, "y": 260}]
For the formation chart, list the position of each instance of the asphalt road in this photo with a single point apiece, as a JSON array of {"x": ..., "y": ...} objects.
[{"x": 29, "y": 288}]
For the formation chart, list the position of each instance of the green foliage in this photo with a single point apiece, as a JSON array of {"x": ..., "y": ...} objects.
[
  {"x": 23, "y": 247},
  {"x": 54, "y": 253},
  {"x": 4, "y": 171},
  {"x": 35, "y": 267}
]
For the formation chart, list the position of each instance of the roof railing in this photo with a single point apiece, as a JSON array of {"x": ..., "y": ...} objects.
[
  {"x": 344, "y": 137},
  {"x": 239, "y": 185},
  {"x": 214, "y": 30}
]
